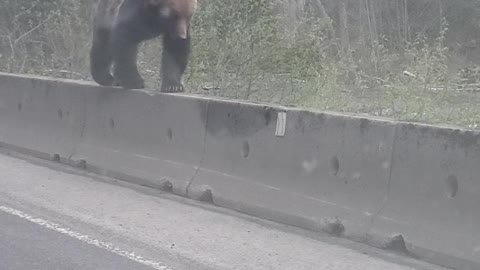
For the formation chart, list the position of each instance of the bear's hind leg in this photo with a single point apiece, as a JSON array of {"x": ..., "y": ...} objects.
[
  {"x": 125, "y": 68},
  {"x": 174, "y": 62},
  {"x": 101, "y": 57}
]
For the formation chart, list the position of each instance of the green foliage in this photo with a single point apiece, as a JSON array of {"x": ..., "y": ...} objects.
[
  {"x": 412, "y": 98},
  {"x": 247, "y": 49},
  {"x": 44, "y": 37}
]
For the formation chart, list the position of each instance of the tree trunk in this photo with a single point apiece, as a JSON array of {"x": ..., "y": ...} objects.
[
  {"x": 319, "y": 8},
  {"x": 294, "y": 11},
  {"x": 344, "y": 35}
]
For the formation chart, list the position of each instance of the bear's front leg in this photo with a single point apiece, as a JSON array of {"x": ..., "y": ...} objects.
[
  {"x": 125, "y": 50},
  {"x": 174, "y": 62},
  {"x": 101, "y": 57}
]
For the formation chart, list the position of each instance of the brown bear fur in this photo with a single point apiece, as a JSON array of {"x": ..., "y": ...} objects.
[{"x": 119, "y": 26}]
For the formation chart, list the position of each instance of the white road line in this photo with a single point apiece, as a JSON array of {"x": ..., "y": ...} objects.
[{"x": 85, "y": 238}]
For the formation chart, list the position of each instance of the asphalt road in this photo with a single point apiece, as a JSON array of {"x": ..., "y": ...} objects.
[
  {"x": 58, "y": 218},
  {"x": 27, "y": 245}
]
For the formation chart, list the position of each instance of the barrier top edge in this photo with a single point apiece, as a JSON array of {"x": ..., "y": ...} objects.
[{"x": 276, "y": 107}]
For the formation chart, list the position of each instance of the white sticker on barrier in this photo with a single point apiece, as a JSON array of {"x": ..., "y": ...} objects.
[{"x": 281, "y": 124}]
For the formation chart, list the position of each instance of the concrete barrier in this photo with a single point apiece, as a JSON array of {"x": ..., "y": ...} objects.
[
  {"x": 434, "y": 194},
  {"x": 395, "y": 185},
  {"x": 157, "y": 140},
  {"x": 325, "y": 169}
]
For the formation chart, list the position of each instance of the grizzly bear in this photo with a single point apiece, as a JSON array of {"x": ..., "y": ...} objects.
[{"x": 120, "y": 26}]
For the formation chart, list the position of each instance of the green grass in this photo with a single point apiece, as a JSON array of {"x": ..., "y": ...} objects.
[{"x": 243, "y": 50}]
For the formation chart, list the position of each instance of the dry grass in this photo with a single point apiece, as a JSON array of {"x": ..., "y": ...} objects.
[{"x": 243, "y": 50}]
